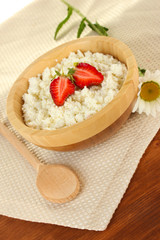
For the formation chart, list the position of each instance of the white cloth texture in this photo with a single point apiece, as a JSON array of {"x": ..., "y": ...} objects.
[{"x": 104, "y": 170}]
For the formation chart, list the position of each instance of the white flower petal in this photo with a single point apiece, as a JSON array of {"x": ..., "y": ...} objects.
[
  {"x": 148, "y": 108},
  {"x": 153, "y": 108},
  {"x": 158, "y": 104},
  {"x": 144, "y": 106},
  {"x": 147, "y": 74},
  {"x": 141, "y": 105},
  {"x": 136, "y": 105}
]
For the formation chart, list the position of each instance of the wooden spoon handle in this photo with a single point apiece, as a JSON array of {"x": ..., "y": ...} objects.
[{"x": 22, "y": 149}]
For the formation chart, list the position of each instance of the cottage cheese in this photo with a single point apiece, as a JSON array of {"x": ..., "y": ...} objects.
[{"x": 39, "y": 110}]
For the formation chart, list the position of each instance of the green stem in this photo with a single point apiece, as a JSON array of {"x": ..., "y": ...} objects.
[
  {"x": 94, "y": 27},
  {"x": 82, "y": 16},
  {"x": 75, "y": 9}
]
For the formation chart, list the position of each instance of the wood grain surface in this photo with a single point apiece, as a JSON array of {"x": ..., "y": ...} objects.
[{"x": 137, "y": 216}]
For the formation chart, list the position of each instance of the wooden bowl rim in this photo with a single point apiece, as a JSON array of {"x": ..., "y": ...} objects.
[{"x": 128, "y": 83}]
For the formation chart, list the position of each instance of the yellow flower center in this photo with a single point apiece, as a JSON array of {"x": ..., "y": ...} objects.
[{"x": 150, "y": 91}]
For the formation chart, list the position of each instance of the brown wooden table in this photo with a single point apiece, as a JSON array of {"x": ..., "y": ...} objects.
[{"x": 137, "y": 217}]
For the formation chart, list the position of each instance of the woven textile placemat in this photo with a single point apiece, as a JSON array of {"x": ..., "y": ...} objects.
[{"x": 104, "y": 170}]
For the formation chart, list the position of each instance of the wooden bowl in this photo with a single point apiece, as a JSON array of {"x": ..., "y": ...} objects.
[{"x": 98, "y": 127}]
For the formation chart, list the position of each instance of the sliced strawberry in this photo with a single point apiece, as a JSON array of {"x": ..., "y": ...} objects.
[
  {"x": 60, "y": 89},
  {"x": 87, "y": 75}
]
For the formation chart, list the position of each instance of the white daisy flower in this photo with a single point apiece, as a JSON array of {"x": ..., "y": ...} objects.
[{"x": 148, "y": 100}]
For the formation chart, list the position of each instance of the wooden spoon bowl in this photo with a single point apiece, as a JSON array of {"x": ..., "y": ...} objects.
[
  {"x": 94, "y": 129},
  {"x": 56, "y": 182}
]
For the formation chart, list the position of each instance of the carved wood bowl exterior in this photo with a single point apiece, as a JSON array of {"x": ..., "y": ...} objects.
[{"x": 96, "y": 128}]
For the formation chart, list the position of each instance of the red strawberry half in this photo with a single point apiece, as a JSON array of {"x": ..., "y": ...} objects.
[
  {"x": 87, "y": 75},
  {"x": 60, "y": 89}
]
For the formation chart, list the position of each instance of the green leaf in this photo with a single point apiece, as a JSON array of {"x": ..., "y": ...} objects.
[
  {"x": 90, "y": 25},
  {"x": 75, "y": 64},
  {"x": 58, "y": 73},
  {"x": 60, "y": 25},
  {"x": 98, "y": 28},
  {"x": 141, "y": 71},
  {"x": 72, "y": 79},
  {"x": 106, "y": 29},
  {"x": 81, "y": 27},
  {"x": 71, "y": 71},
  {"x": 102, "y": 29}
]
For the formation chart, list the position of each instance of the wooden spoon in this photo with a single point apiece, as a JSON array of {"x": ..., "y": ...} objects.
[{"x": 56, "y": 183}]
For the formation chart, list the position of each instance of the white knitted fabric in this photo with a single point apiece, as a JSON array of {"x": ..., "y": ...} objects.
[{"x": 104, "y": 170}]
